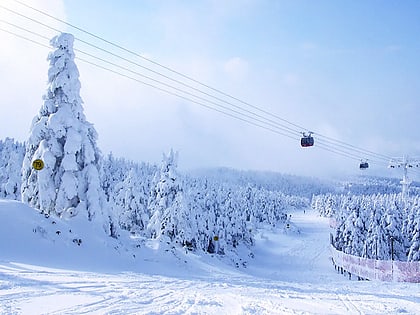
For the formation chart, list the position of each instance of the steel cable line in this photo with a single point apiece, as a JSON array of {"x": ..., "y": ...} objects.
[
  {"x": 25, "y": 38},
  {"x": 156, "y": 87},
  {"x": 152, "y": 61},
  {"x": 336, "y": 144},
  {"x": 366, "y": 152},
  {"x": 331, "y": 140},
  {"x": 324, "y": 146},
  {"x": 333, "y": 150},
  {"x": 283, "y": 127},
  {"x": 268, "y": 122},
  {"x": 182, "y": 91},
  {"x": 178, "y": 95}
]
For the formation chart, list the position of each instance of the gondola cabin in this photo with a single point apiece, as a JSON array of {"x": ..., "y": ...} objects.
[
  {"x": 307, "y": 141},
  {"x": 364, "y": 165}
]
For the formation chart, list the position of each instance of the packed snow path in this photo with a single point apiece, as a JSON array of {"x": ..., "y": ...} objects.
[
  {"x": 299, "y": 253},
  {"x": 290, "y": 274}
]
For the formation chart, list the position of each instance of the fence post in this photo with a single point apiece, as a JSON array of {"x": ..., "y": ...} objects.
[{"x": 392, "y": 257}]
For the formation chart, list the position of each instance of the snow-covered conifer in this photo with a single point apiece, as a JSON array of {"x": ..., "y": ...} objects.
[
  {"x": 131, "y": 198},
  {"x": 166, "y": 204},
  {"x": 61, "y": 136},
  {"x": 414, "y": 251},
  {"x": 11, "y": 159}
]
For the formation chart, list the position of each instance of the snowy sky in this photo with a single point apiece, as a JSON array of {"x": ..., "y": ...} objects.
[{"x": 348, "y": 70}]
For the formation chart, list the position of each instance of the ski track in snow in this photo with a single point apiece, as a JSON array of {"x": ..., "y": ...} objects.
[{"x": 290, "y": 274}]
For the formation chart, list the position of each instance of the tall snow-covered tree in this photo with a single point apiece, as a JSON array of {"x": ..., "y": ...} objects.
[
  {"x": 131, "y": 202},
  {"x": 61, "y": 136},
  {"x": 166, "y": 204}
]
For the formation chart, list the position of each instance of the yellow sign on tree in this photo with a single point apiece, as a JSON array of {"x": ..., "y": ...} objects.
[{"x": 38, "y": 164}]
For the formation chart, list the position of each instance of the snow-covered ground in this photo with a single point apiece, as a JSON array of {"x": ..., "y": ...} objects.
[{"x": 44, "y": 271}]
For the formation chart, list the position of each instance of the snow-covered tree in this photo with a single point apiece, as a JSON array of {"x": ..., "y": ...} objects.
[
  {"x": 378, "y": 226},
  {"x": 11, "y": 159},
  {"x": 414, "y": 251},
  {"x": 164, "y": 200},
  {"x": 61, "y": 136},
  {"x": 130, "y": 199}
]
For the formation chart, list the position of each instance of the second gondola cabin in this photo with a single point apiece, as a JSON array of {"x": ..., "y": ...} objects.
[
  {"x": 307, "y": 141},
  {"x": 364, "y": 165}
]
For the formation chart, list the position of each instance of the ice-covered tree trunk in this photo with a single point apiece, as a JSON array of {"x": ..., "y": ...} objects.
[{"x": 69, "y": 184}]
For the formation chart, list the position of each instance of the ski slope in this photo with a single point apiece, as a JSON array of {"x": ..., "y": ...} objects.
[{"x": 46, "y": 273}]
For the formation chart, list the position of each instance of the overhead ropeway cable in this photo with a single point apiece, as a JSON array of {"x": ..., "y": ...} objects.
[
  {"x": 245, "y": 114},
  {"x": 286, "y": 128},
  {"x": 257, "y": 116},
  {"x": 248, "y": 119}
]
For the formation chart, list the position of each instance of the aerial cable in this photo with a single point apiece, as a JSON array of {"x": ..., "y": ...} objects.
[
  {"x": 25, "y": 38},
  {"x": 364, "y": 151},
  {"x": 26, "y": 30},
  {"x": 287, "y": 129},
  {"x": 29, "y": 18},
  {"x": 344, "y": 152},
  {"x": 192, "y": 79},
  {"x": 160, "y": 82},
  {"x": 158, "y": 64},
  {"x": 353, "y": 148},
  {"x": 333, "y": 150},
  {"x": 182, "y": 91},
  {"x": 381, "y": 156},
  {"x": 159, "y": 88},
  {"x": 191, "y": 87},
  {"x": 322, "y": 146}
]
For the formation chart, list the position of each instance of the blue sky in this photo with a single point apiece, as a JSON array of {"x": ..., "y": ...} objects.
[{"x": 346, "y": 69}]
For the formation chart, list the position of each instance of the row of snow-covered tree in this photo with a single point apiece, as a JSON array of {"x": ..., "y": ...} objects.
[
  {"x": 370, "y": 185},
  {"x": 191, "y": 211},
  {"x": 289, "y": 184},
  {"x": 161, "y": 203},
  {"x": 381, "y": 226}
]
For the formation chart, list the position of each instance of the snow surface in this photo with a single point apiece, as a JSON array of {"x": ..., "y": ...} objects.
[{"x": 45, "y": 269}]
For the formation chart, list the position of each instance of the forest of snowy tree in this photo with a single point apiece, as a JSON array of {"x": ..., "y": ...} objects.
[
  {"x": 288, "y": 184},
  {"x": 148, "y": 201},
  {"x": 210, "y": 211},
  {"x": 371, "y": 185},
  {"x": 378, "y": 226},
  {"x": 159, "y": 202}
]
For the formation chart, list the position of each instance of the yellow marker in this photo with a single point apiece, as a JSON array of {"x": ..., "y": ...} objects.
[
  {"x": 216, "y": 238},
  {"x": 38, "y": 164}
]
